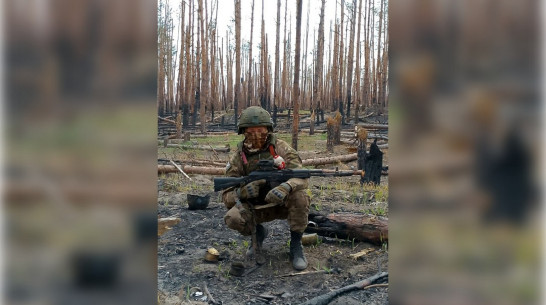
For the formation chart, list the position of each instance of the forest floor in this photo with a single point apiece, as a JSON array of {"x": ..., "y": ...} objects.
[{"x": 183, "y": 272}]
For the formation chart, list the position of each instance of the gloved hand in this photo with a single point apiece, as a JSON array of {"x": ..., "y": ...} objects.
[
  {"x": 250, "y": 190},
  {"x": 278, "y": 194}
]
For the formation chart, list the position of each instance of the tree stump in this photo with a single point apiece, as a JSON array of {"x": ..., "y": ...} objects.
[
  {"x": 186, "y": 136},
  {"x": 362, "y": 136},
  {"x": 312, "y": 123},
  {"x": 373, "y": 165},
  {"x": 330, "y": 130},
  {"x": 337, "y": 128},
  {"x": 179, "y": 125}
]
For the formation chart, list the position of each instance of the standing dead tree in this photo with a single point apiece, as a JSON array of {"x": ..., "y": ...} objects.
[
  {"x": 276, "y": 79},
  {"x": 350, "y": 60},
  {"x": 238, "y": 100},
  {"x": 317, "y": 79},
  {"x": 357, "y": 66},
  {"x": 249, "y": 77},
  {"x": 295, "y": 88}
]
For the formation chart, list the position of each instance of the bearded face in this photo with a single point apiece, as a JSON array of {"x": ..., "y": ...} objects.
[{"x": 255, "y": 137}]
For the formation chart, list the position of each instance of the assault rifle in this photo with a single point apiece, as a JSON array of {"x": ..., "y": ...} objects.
[{"x": 267, "y": 170}]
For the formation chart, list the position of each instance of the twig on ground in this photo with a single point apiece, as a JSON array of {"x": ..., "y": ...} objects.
[
  {"x": 206, "y": 289},
  {"x": 328, "y": 297},
  {"x": 376, "y": 285},
  {"x": 178, "y": 167},
  {"x": 215, "y": 153},
  {"x": 302, "y": 273}
]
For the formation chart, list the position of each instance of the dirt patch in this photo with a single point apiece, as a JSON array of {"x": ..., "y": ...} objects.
[{"x": 182, "y": 270}]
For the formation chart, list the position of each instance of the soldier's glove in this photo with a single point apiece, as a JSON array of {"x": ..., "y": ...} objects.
[
  {"x": 278, "y": 194},
  {"x": 250, "y": 190}
]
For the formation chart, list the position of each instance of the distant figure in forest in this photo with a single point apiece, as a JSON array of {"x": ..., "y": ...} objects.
[{"x": 288, "y": 200}]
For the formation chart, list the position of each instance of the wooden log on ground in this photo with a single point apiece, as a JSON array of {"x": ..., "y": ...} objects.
[
  {"x": 367, "y": 228},
  {"x": 215, "y": 171},
  {"x": 197, "y": 162},
  {"x": 375, "y": 126},
  {"x": 167, "y": 120},
  {"x": 202, "y": 147},
  {"x": 221, "y": 170},
  {"x": 329, "y": 160}
]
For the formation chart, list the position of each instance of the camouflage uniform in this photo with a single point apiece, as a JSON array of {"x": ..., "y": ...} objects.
[{"x": 296, "y": 206}]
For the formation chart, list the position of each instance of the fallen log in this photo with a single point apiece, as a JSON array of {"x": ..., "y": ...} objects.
[
  {"x": 166, "y": 120},
  {"x": 164, "y": 169},
  {"x": 325, "y": 299},
  {"x": 201, "y": 147},
  {"x": 329, "y": 160},
  {"x": 197, "y": 162},
  {"x": 367, "y": 228},
  {"x": 375, "y": 126},
  {"x": 217, "y": 171}
]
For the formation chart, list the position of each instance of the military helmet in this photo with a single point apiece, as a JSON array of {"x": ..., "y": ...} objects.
[{"x": 254, "y": 116}]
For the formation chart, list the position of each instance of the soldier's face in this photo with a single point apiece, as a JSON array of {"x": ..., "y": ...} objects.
[{"x": 256, "y": 136}]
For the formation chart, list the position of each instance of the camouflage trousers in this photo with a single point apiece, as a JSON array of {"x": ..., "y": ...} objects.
[{"x": 295, "y": 210}]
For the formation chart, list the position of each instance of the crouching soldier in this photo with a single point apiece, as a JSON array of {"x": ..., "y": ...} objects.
[{"x": 288, "y": 200}]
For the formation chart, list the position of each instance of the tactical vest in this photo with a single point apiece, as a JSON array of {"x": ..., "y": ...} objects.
[{"x": 250, "y": 161}]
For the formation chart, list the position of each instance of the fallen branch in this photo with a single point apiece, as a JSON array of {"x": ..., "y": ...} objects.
[
  {"x": 198, "y": 162},
  {"x": 178, "y": 167},
  {"x": 361, "y": 253},
  {"x": 206, "y": 289},
  {"x": 167, "y": 120},
  {"x": 375, "y": 126},
  {"x": 302, "y": 273},
  {"x": 201, "y": 147},
  {"x": 376, "y": 285},
  {"x": 325, "y": 299},
  {"x": 330, "y": 160},
  {"x": 201, "y": 170}
]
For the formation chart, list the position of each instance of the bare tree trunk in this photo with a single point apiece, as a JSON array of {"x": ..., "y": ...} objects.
[
  {"x": 350, "y": 61},
  {"x": 377, "y": 69},
  {"x": 238, "y": 100},
  {"x": 296, "y": 89},
  {"x": 384, "y": 95},
  {"x": 179, "y": 86},
  {"x": 276, "y": 80},
  {"x": 317, "y": 87},
  {"x": 204, "y": 68},
  {"x": 249, "y": 77},
  {"x": 366, "y": 91},
  {"x": 357, "y": 71},
  {"x": 341, "y": 65},
  {"x": 286, "y": 55}
]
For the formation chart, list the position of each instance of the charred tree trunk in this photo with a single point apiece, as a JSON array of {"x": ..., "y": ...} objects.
[
  {"x": 205, "y": 69},
  {"x": 238, "y": 99},
  {"x": 365, "y": 228},
  {"x": 357, "y": 71},
  {"x": 277, "y": 69},
  {"x": 374, "y": 165},
  {"x": 317, "y": 79},
  {"x": 350, "y": 61},
  {"x": 296, "y": 88},
  {"x": 249, "y": 94}
]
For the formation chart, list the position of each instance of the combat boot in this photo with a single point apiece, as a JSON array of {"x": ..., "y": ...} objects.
[
  {"x": 261, "y": 234},
  {"x": 299, "y": 262}
]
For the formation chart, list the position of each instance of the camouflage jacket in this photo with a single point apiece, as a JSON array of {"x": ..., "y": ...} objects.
[{"x": 237, "y": 166}]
